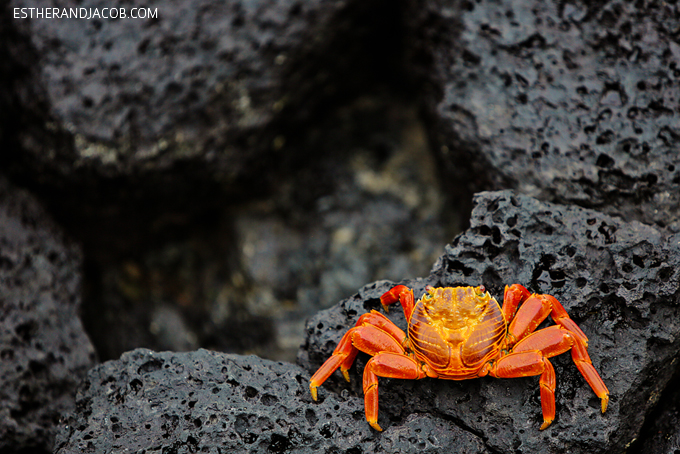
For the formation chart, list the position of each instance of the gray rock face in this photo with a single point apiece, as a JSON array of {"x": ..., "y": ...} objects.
[
  {"x": 211, "y": 402},
  {"x": 569, "y": 102},
  {"x": 44, "y": 350},
  {"x": 183, "y": 82},
  {"x": 619, "y": 281}
]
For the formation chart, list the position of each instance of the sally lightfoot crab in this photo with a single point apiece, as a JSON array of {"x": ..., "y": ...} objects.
[{"x": 457, "y": 333}]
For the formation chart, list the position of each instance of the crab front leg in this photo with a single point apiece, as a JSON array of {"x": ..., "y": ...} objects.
[
  {"x": 530, "y": 357},
  {"x": 373, "y": 333},
  {"x": 533, "y": 310},
  {"x": 386, "y": 364}
]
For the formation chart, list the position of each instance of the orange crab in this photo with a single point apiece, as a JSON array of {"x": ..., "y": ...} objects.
[{"x": 457, "y": 333}]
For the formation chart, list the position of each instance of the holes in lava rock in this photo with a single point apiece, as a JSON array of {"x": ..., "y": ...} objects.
[
  {"x": 604, "y": 161},
  {"x": 639, "y": 261},
  {"x": 496, "y": 235},
  {"x": 581, "y": 282},
  {"x": 241, "y": 424},
  {"x": 295, "y": 10},
  {"x": 251, "y": 392},
  {"x": 665, "y": 273},
  {"x": 249, "y": 439},
  {"x": 311, "y": 417},
  {"x": 5, "y": 263},
  {"x": 269, "y": 400},
  {"x": 471, "y": 59},
  {"x": 279, "y": 444},
  {"x": 150, "y": 366},
  {"x": 25, "y": 331},
  {"x": 328, "y": 430},
  {"x": 238, "y": 21},
  {"x": 136, "y": 385},
  {"x": 608, "y": 231},
  {"x": 457, "y": 266},
  {"x": 511, "y": 221},
  {"x": 633, "y": 113},
  {"x": 605, "y": 138},
  {"x": 558, "y": 278},
  {"x": 630, "y": 285},
  {"x": 650, "y": 178}
]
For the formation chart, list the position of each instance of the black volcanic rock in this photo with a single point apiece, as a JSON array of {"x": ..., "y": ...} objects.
[
  {"x": 186, "y": 82},
  {"x": 570, "y": 102},
  {"x": 212, "y": 402},
  {"x": 618, "y": 280},
  {"x": 44, "y": 350}
]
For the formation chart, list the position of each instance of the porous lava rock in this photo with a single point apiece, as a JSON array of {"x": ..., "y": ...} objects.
[
  {"x": 205, "y": 401},
  {"x": 572, "y": 102},
  {"x": 44, "y": 351},
  {"x": 618, "y": 280},
  {"x": 180, "y": 82},
  {"x": 120, "y": 124}
]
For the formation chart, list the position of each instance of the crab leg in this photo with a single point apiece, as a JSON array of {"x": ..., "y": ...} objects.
[
  {"x": 530, "y": 357},
  {"x": 533, "y": 311},
  {"x": 579, "y": 353},
  {"x": 527, "y": 364},
  {"x": 513, "y": 296},
  {"x": 386, "y": 364},
  {"x": 372, "y": 334},
  {"x": 402, "y": 294}
]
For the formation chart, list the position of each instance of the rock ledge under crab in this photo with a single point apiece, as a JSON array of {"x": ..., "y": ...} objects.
[{"x": 458, "y": 333}]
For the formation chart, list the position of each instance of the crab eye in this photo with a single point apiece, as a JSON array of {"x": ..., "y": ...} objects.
[{"x": 480, "y": 290}]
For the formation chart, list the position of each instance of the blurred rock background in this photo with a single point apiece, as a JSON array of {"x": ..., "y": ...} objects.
[{"x": 229, "y": 169}]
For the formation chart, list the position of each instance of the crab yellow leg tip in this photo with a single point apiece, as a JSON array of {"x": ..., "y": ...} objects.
[
  {"x": 386, "y": 308},
  {"x": 546, "y": 423},
  {"x": 345, "y": 374},
  {"x": 312, "y": 389},
  {"x": 605, "y": 402},
  {"x": 375, "y": 425}
]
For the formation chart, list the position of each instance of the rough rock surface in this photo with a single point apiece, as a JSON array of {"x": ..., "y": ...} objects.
[
  {"x": 213, "y": 402},
  {"x": 44, "y": 350},
  {"x": 573, "y": 102},
  {"x": 661, "y": 432},
  {"x": 187, "y": 80},
  {"x": 618, "y": 280}
]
